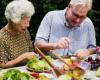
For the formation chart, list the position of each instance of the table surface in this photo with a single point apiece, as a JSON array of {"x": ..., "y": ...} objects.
[{"x": 90, "y": 75}]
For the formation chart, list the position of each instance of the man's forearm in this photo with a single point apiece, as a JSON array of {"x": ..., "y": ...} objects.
[
  {"x": 45, "y": 46},
  {"x": 91, "y": 51}
]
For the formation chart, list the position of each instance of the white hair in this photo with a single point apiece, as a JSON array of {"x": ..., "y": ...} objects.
[
  {"x": 87, "y": 3},
  {"x": 18, "y": 8}
]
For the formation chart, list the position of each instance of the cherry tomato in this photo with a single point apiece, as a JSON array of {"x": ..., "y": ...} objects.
[{"x": 36, "y": 75}]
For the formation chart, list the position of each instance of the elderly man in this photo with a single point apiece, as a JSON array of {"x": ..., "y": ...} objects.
[{"x": 68, "y": 31}]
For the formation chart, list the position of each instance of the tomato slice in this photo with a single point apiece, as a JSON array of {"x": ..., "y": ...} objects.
[{"x": 36, "y": 75}]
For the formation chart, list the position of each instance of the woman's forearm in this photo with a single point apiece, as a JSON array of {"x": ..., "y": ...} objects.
[{"x": 12, "y": 62}]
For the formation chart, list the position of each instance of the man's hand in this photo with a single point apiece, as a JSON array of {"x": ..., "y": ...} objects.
[
  {"x": 82, "y": 53},
  {"x": 62, "y": 43}
]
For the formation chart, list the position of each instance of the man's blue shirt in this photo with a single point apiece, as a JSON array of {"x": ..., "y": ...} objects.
[{"x": 54, "y": 26}]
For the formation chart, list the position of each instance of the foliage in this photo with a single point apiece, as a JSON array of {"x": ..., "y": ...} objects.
[
  {"x": 96, "y": 19},
  {"x": 43, "y": 6}
]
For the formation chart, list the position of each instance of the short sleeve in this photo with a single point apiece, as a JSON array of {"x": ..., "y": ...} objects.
[{"x": 43, "y": 32}]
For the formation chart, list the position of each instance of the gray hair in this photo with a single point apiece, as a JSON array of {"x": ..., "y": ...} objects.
[
  {"x": 87, "y": 3},
  {"x": 18, "y": 8}
]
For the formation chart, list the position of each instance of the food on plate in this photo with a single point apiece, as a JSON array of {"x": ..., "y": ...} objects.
[
  {"x": 15, "y": 74},
  {"x": 1, "y": 77},
  {"x": 73, "y": 58},
  {"x": 36, "y": 75},
  {"x": 43, "y": 77},
  {"x": 37, "y": 65},
  {"x": 90, "y": 59},
  {"x": 77, "y": 73},
  {"x": 65, "y": 67},
  {"x": 68, "y": 61},
  {"x": 72, "y": 63},
  {"x": 64, "y": 77},
  {"x": 98, "y": 72},
  {"x": 97, "y": 60},
  {"x": 95, "y": 63}
]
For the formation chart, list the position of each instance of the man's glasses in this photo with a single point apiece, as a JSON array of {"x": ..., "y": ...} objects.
[{"x": 78, "y": 16}]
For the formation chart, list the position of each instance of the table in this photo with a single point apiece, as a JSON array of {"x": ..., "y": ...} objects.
[
  {"x": 90, "y": 75},
  {"x": 51, "y": 76}
]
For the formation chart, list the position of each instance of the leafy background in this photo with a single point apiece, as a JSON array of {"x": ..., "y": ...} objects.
[{"x": 43, "y": 6}]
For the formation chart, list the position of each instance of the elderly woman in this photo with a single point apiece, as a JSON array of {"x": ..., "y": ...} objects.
[{"x": 15, "y": 42}]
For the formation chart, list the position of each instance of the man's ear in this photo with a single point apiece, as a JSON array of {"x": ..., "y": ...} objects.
[{"x": 69, "y": 6}]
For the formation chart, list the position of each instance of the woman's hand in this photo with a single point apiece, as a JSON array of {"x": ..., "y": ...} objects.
[
  {"x": 28, "y": 55},
  {"x": 24, "y": 56}
]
